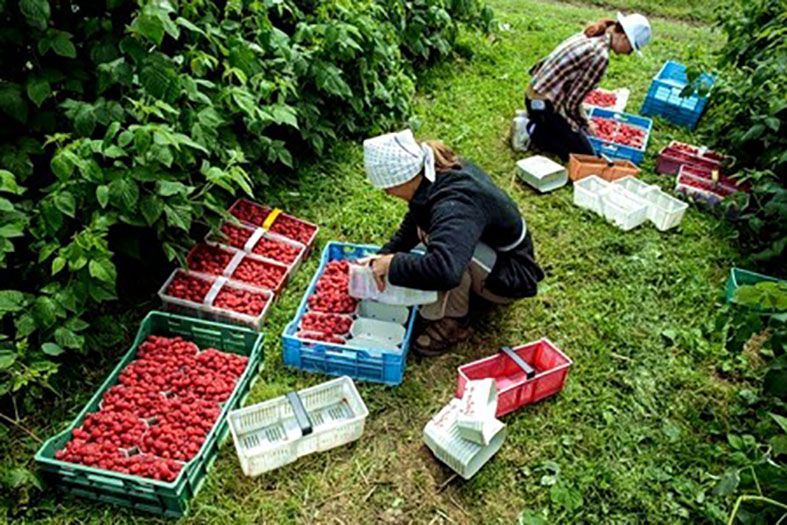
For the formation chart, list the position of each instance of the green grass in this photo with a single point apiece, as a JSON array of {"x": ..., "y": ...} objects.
[
  {"x": 691, "y": 10},
  {"x": 638, "y": 434}
]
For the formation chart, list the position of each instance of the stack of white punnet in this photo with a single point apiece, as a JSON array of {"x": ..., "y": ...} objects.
[{"x": 465, "y": 434}]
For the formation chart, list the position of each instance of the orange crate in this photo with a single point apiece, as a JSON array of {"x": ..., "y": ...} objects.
[{"x": 581, "y": 166}]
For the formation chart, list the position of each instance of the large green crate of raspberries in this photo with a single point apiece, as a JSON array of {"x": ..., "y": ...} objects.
[{"x": 168, "y": 498}]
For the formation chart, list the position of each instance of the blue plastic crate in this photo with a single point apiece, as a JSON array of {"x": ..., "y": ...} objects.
[
  {"x": 614, "y": 150},
  {"x": 366, "y": 364},
  {"x": 664, "y": 96}
]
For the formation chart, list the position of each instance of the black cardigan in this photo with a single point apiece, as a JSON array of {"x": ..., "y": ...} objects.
[{"x": 459, "y": 209}]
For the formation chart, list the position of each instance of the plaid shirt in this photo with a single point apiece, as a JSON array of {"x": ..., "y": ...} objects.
[{"x": 570, "y": 72}]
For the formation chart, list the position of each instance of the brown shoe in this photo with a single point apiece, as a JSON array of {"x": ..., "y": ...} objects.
[{"x": 437, "y": 337}]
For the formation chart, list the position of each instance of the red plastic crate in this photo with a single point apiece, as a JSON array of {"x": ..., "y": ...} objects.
[
  {"x": 676, "y": 154},
  {"x": 514, "y": 389},
  {"x": 260, "y": 212}
]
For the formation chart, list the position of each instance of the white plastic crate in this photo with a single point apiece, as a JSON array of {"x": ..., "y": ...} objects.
[
  {"x": 269, "y": 435},
  {"x": 542, "y": 173},
  {"x": 664, "y": 210},
  {"x": 588, "y": 192},
  {"x": 625, "y": 209},
  {"x": 463, "y": 456},
  {"x": 636, "y": 186},
  {"x": 206, "y": 309}
]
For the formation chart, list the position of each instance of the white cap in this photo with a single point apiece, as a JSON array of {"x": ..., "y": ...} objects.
[
  {"x": 395, "y": 158},
  {"x": 637, "y": 29}
]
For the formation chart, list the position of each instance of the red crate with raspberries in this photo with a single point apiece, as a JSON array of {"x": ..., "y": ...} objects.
[
  {"x": 275, "y": 221},
  {"x": 216, "y": 298},
  {"x": 238, "y": 265},
  {"x": 706, "y": 185},
  {"x": 159, "y": 414},
  {"x": 257, "y": 241},
  {"x": 676, "y": 154}
]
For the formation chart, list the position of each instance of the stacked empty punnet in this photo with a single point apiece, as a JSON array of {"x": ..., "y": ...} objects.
[
  {"x": 271, "y": 434},
  {"x": 337, "y": 334},
  {"x": 542, "y": 173},
  {"x": 149, "y": 434},
  {"x": 620, "y": 135},
  {"x": 628, "y": 202},
  {"x": 236, "y": 274}
]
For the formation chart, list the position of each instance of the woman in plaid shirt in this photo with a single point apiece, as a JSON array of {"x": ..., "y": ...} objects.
[{"x": 562, "y": 80}]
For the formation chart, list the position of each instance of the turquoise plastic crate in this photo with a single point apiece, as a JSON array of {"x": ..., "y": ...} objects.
[
  {"x": 664, "y": 96},
  {"x": 159, "y": 497},
  {"x": 365, "y": 364},
  {"x": 739, "y": 277},
  {"x": 614, "y": 150}
]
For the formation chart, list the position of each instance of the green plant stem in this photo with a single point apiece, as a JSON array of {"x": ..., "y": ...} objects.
[
  {"x": 22, "y": 428},
  {"x": 749, "y": 497}
]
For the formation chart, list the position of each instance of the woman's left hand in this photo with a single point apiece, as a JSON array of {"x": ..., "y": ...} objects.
[{"x": 380, "y": 267}]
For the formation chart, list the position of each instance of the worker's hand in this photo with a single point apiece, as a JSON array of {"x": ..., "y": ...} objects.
[
  {"x": 366, "y": 261},
  {"x": 380, "y": 267},
  {"x": 591, "y": 128}
]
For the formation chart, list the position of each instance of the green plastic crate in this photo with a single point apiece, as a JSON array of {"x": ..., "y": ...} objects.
[
  {"x": 739, "y": 277},
  {"x": 164, "y": 498}
]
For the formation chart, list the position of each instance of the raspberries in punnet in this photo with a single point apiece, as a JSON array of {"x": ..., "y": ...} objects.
[
  {"x": 332, "y": 294},
  {"x": 160, "y": 412}
]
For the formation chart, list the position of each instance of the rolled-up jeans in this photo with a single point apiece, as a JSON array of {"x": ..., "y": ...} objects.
[{"x": 456, "y": 301}]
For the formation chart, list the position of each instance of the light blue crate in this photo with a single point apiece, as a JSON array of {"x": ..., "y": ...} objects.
[
  {"x": 614, "y": 150},
  {"x": 664, "y": 96},
  {"x": 378, "y": 365}
]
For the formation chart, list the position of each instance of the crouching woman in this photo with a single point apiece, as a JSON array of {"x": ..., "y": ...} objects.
[{"x": 477, "y": 242}]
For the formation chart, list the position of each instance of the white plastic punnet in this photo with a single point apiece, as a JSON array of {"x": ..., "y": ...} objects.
[
  {"x": 379, "y": 331},
  {"x": 542, "y": 173},
  {"x": 476, "y": 420},
  {"x": 363, "y": 286},
  {"x": 664, "y": 210},
  {"x": 463, "y": 456},
  {"x": 383, "y": 312},
  {"x": 588, "y": 192},
  {"x": 624, "y": 208}
]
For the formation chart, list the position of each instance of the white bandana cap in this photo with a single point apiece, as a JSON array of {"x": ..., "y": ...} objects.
[{"x": 395, "y": 158}]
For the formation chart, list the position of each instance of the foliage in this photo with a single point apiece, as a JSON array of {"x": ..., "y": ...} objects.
[
  {"x": 759, "y": 476},
  {"x": 151, "y": 117},
  {"x": 748, "y": 118}
]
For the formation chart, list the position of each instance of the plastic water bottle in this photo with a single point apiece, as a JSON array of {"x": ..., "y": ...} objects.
[{"x": 520, "y": 138}]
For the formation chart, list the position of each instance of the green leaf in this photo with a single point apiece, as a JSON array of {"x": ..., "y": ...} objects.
[
  {"x": 159, "y": 78},
  {"x": 11, "y": 230},
  {"x": 61, "y": 166},
  {"x": 36, "y": 12},
  {"x": 38, "y": 89},
  {"x": 283, "y": 114},
  {"x": 727, "y": 484},
  {"x": 779, "y": 444},
  {"x": 12, "y": 301},
  {"x": 178, "y": 216},
  {"x": 103, "y": 270},
  {"x": 7, "y": 358},
  {"x": 114, "y": 152},
  {"x": 167, "y": 188},
  {"x": 52, "y": 349},
  {"x": 69, "y": 339},
  {"x": 781, "y": 420},
  {"x": 11, "y": 101},
  {"x": 58, "y": 263},
  {"x": 6, "y": 205},
  {"x": 565, "y": 496},
  {"x": 8, "y": 183},
  {"x": 66, "y": 203},
  {"x": 149, "y": 26},
  {"x": 124, "y": 193},
  {"x": 62, "y": 45},
  {"x": 102, "y": 195},
  {"x": 151, "y": 207}
]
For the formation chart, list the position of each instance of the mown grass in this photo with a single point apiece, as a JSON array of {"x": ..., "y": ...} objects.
[
  {"x": 638, "y": 434},
  {"x": 691, "y": 10}
]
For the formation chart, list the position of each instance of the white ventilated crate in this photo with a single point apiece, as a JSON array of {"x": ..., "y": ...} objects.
[
  {"x": 625, "y": 209},
  {"x": 463, "y": 456},
  {"x": 542, "y": 173},
  {"x": 636, "y": 186},
  {"x": 268, "y": 435},
  {"x": 588, "y": 192},
  {"x": 664, "y": 210},
  {"x": 207, "y": 309}
]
